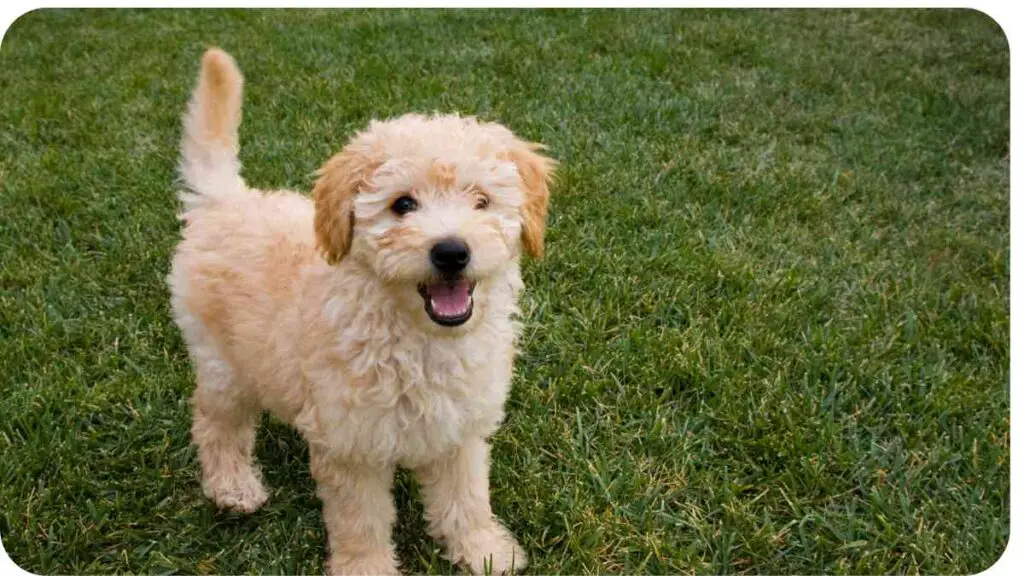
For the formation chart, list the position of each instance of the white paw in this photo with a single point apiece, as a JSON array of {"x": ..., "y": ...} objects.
[
  {"x": 242, "y": 491},
  {"x": 491, "y": 550}
]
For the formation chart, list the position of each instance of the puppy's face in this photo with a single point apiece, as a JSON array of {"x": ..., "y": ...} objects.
[{"x": 436, "y": 207}]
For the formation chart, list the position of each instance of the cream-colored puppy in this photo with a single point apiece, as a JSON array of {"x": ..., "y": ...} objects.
[{"x": 378, "y": 318}]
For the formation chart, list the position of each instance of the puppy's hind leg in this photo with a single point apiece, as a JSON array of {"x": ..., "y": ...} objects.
[{"x": 224, "y": 432}]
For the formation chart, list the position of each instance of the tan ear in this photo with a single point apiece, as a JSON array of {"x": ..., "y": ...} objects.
[
  {"x": 334, "y": 196},
  {"x": 535, "y": 172}
]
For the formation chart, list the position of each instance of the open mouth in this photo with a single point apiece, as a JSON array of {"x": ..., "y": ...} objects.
[{"x": 448, "y": 302}]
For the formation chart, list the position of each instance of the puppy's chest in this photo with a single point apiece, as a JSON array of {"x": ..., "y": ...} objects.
[
  {"x": 446, "y": 395},
  {"x": 410, "y": 404}
]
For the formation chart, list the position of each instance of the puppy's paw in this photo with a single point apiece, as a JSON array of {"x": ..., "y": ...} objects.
[
  {"x": 242, "y": 492},
  {"x": 490, "y": 550},
  {"x": 370, "y": 564}
]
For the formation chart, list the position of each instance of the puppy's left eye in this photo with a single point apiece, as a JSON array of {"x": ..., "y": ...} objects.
[
  {"x": 404, "y": 205},
  {"x": 482, "y": 203}
]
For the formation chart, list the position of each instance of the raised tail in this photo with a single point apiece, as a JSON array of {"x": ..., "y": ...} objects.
[{"x": 209, "y": 147}]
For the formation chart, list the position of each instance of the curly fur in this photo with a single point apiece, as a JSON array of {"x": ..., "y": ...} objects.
[{"x": 309, "y": 310}]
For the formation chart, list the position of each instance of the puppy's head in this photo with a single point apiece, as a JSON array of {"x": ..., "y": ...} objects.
[{"x": 437, "y": 207}]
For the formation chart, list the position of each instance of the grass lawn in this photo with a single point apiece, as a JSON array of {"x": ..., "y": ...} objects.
[{"x": 771, "y": 334}]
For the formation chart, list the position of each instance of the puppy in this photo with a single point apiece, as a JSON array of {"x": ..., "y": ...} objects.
[{"x": 378, "y": 318}]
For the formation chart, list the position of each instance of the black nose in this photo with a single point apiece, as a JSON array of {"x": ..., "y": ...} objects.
[{"x": 450, "y": 255}]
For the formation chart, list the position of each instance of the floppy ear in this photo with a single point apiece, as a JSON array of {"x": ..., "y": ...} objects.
[
  {"x": 535, "y": 172},
  {"x": 334, "y": 196}
]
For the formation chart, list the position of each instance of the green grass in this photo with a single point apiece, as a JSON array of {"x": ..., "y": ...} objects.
[{"x": 770, "y": 336}]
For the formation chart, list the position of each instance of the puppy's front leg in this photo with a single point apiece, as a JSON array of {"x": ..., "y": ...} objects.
[
  {"x": 458, "y": 511},
  {"x": 359, "y": 513}
]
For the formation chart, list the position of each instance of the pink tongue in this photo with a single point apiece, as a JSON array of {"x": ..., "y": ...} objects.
[{"x": 449, "y": 300}]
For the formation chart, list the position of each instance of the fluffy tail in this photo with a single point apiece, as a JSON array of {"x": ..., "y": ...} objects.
[{"x": 209, "y": 148}]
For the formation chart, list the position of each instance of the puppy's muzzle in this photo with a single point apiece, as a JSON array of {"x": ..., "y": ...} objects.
[{"x": 449, "y": 301}]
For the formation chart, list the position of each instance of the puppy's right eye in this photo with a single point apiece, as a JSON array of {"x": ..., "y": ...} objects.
[{"x": 404, "y": 205}]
